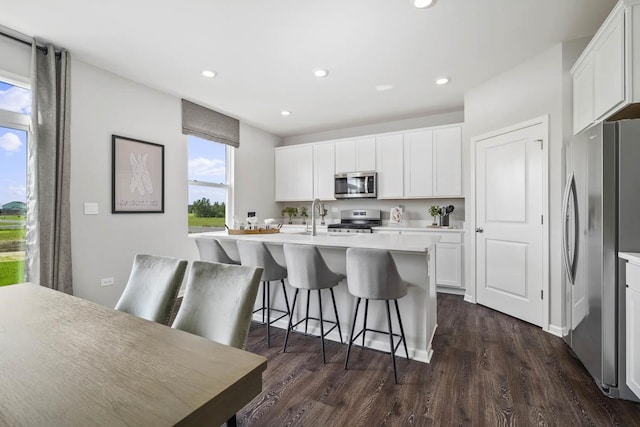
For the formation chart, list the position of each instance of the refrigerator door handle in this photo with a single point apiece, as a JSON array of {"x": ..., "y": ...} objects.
[
  {"x": 569, "y": 191},
  {"x": 576, "y": 230}
]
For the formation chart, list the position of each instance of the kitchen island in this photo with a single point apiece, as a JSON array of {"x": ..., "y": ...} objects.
[{"x": 415, "y": 258}]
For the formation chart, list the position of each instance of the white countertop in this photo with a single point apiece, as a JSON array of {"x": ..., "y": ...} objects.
[
  {"x": 391, "y": 242},
  {"x": 427, "y": 228},
  {"x": 632, "y": 257}
]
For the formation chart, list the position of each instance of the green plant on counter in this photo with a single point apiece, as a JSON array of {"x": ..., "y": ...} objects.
[
  {"x": 290, "y": 212},
  {"x": 322, "y": 212},
  {"x": 434, "y": 211},
  {"x": 304, "y": 212}
]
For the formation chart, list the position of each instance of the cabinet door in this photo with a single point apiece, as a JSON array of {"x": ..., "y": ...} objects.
[
  {"x": 323, "y": 171},
  {"x": 284, "y": 162},
  {"x": 633, "y": 339},
  {"x": 365, "y": 155},
  {"x": 303, "y": 172},
  {"x": 447, "y": 162},
  {"x": 390, "y": 166},
  {"x": 448, "y": 264},
  {"x": 418, "y": 167},
  {"x": 583, "y": 114},
  {"x": 294, "y": 173},
  {"x": 608, "y": 67},
  {"x": 345, "y": 156}
]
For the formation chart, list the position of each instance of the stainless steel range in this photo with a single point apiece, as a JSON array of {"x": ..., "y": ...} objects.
[{"x": 356, "y": 221}]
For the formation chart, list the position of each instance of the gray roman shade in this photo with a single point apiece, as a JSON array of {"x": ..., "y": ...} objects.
[{"x": 208, "y": 124}]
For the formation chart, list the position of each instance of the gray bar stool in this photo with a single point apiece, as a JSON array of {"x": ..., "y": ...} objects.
[
  {"x": 212, "y": 250},
  {"x": 308, "y": 270},
  {"x": 256, "y": 254},
  {"x": 373, "y": 275}
]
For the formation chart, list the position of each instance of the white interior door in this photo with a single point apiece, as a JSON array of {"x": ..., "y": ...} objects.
[{"x": 509, "y": 234}]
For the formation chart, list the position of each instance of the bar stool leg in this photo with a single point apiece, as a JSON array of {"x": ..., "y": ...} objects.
[
  {"x": 264, "y": 303},
  {"x": 232, "y": 422},
  {"x": 353, "y": 328},
  {"x": 286, "y": 337},
  {"x": 404, "y": 341},
  {"x": 392, "y": 350},
  {"x": 366, "y": 312},
  {"x": 286, "y": 299},
  {"x": 321, "y": 326},
  {"x": 306, "y": 317},
  {"x": 268, "y": 314},
  {"x": 335, "y": 309}
]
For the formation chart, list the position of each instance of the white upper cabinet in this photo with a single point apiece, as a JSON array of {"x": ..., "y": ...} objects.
[
  {"x": 323, "y": 170},
  {"x": 294, "y": 173},
  {"x": 389, "y": 151},
  {"x": 583, "y": 114},
  {"x": 608, "y": 67},
  {"x": 447, "y": 162},
  {"x": 606, "y": 77},
  {"x": 355, "y": 155},
  {"x": 418, "y": 164}
]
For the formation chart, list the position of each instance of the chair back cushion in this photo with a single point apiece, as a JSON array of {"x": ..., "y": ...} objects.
[
  {"x": 373, "y": 274},
  {"x": 256, "y": 254},
  {"x": 218, "y": 302},
  {"x": 307, "y": 269},
  {"x": 212, "y": 250},
  {"x": 152, "y": 287}
]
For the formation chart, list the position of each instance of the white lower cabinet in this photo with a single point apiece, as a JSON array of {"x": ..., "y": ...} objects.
[
  {"x": 633, "y": 327},
  {"x": 448, "y": 257}
]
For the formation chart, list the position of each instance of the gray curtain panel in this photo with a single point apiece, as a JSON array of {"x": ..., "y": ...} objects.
[
  {"x": 208, "y": 124},
  {"x": 48, "y": 177}
]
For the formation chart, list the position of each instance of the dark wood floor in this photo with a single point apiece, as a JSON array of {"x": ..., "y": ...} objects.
[{"x": 488, "y": 369}]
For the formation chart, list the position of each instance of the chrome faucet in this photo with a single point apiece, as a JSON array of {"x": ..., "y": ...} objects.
[{"x": 313, "y": 216}]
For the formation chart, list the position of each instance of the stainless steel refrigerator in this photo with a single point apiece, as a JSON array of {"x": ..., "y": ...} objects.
[{"x": 601, "y": 216}]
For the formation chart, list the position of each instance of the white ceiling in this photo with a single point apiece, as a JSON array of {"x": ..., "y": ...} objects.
[{"x": 265, "y": 51}]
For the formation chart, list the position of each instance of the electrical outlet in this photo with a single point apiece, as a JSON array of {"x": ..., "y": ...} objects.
[{"x": 107, "y": 281}]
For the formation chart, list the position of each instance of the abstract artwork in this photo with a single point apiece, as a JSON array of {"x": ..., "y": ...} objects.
[{"x": 137, "y": 176}]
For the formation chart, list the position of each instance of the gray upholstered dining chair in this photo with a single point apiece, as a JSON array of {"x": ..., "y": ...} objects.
[
  {"x": 373, "y": 275},
  {"x": 218, "y": 304},
  {"x": 153, "y": 286},
  {"x": 212, "y": 250}
]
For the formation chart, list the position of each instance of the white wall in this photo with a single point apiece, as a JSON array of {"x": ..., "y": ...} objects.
[
  {"x": 382, "y": 127},
  {"x": 15, "y": 59},
  {"x": 533, "y": 89}
]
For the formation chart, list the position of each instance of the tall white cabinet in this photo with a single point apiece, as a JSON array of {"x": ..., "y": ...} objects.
[
  {"x": 294, "y": 173},
  {"x": 323, "y": 170},
  {"x": 633, "y": 321}
]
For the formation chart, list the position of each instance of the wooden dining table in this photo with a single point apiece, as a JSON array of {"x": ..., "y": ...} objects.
[{"x": 68, "y": 361}]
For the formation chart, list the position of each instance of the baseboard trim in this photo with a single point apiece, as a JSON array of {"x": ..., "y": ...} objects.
[
  {"x": 452, "y": 291},
  {"x": 558, "y": 330},
  {"x": 468, "y": 298}
]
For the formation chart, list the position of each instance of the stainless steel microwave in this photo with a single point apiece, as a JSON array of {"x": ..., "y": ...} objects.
[{"x": 356, "y": 185}]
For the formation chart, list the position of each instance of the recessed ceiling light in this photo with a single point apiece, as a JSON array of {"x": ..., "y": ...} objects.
[
  {"x": 442, "y": 81},
  {"x": 421, "y": 4},
  {"x": 321, "y": 73},
  {"x": 209, "y": 73},
  {"x": 382, "y": 88},
  {"x": 285, "y": 113}
]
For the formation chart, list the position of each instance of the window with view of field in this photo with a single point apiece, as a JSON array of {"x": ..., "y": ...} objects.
[
  {"x": 208, "y": 184},
  {"x": 15, "y": 111}
]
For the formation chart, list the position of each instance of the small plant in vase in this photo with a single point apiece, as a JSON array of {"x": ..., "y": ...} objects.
[
  {"x": 322, "y": 211},
  {"x": 434, "y": 211},
  {"x": 304, "y": 213},
  {"x": 290, "y": 212}
]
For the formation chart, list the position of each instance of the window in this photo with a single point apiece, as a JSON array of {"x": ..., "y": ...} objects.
[
  {"x": 209, "y": 188},
  {"x": 15, "y": 111}
]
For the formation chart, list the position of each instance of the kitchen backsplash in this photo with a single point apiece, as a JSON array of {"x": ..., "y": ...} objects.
[{"x": 413, "y": 210}]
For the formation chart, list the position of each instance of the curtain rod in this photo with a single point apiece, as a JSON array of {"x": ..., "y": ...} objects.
[{"x": 43, "y": 49}]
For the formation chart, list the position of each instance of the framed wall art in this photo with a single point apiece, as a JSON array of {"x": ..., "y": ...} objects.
[{"x": 137, "y": 176}]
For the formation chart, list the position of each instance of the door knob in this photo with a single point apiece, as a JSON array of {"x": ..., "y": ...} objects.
[{"x": 479, "y": 230}]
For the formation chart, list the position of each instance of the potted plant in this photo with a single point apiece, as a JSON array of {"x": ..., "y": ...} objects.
[
  {"x": 434, "y": 211},
  {"x": 290, "y": 212},
  {"x": 304, "y": 213}
]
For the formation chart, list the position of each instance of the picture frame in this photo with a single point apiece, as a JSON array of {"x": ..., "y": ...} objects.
[
  {"x": 137, "y": 176},
  {"x": 395, "y": 216}
]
